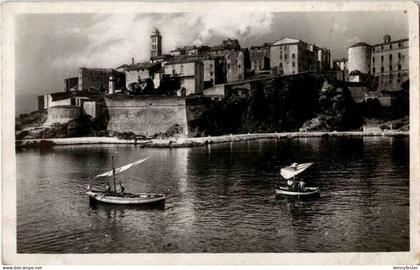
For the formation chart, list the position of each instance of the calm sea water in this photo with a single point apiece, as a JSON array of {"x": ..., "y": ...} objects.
[{"x": 220, "y": 198}]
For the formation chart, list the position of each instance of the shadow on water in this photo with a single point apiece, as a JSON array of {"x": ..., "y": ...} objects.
[
  {"x": 296, "y": 205},
  {"x": 121, "y": 207}
]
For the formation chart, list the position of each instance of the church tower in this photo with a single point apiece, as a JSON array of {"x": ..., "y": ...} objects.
[{"x": 156, "y": 44}]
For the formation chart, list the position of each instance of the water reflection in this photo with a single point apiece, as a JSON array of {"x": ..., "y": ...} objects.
[
  {"x": 220, "y": 198},
  {"x": 121, "y": 209}
]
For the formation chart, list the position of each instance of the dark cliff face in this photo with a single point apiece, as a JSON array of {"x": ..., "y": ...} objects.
[
  {"x": 338, "y": 110},
  {"x": 282, "y": 104}
]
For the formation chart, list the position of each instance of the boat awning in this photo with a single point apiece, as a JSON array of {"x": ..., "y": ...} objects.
[{"x": 294, "y": 169}]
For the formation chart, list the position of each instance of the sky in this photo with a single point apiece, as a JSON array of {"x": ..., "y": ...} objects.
[{"x": 51, "y": 47}]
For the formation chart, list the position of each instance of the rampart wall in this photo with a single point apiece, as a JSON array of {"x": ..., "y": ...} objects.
[
  {"x": 62, "y": 114},
  {"x": 149, "y": 116}
]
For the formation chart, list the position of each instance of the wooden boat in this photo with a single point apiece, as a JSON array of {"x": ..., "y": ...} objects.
[
  {"x": 127, "y": 198},
  {"x": 122, "y": 198},
  {"x": 289, "y": 173},
  {"x": 309, "y": 191}
]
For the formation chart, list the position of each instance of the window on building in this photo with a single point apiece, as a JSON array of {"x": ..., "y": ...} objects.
[
  {"x": 399, "y": 75},
  {"x": 281, "y": 65},
  {"x": 390, "y": 46},
  {"x": 373, "y": 70},
  {"x": 398, "y": 80},
  {"x": 382, "y": 58},
  {"x": 211, "y": 74},
  {"x": 228, "y": 66},
  {"x": 373, "y": 59},
  {"x": 390, "y": 57},
  {"x": 382, "y": 48},
  {"x": 399, "y": 55},
  {"x": 239, "y": 66},
  {"x": 281, "y": 57},
  {"x": 399, "y": 67},
  {"x": 399, "y": 45},
  {"x": 293, "y": 56},
  {"x": 293, "y": 64},
  {"x": 285, "y": 56},
  {"x": 373, "y": 48},
  {"x": 382, "y": 69}
]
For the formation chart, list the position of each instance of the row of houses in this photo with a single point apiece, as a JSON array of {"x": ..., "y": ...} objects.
[
  {"x": 190, "y": 68},
  {"x": 379, "y": 71},
  {"x": 201, "y": 67},
  {"x": 385, "y": 65}
]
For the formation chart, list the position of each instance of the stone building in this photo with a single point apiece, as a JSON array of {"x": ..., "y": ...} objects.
[
  {"x": 156, "y": 46},
  {"x": 63, "y": 107},
  {"x": 222, "y": 63},
  {"x": 178, "y": 52},
  {"x": 390, "y": 64},
  {"x": 98, "y": 79},
  {"x": 260, "y": 57},
  {"x": 190, "y": 73},
  {"x": 340, "y": 64},
  {"x": 71, "y": 84},
  {"x": 227, "y": 46},
  {"x": 387, "y": 63},
  {"x": 214, "y": 72},
  {"x": 65, "y": 99},
  {"x": 235, "y": 66},
  {"x": 236, "y": 60},
  {"x": 341, "y": 67},
  {"x": 324, "y": 58},
  {"x": 359, "y": 61},
  {"x": 137, "y": 73},
  {"x": 200, "y": 51},
  {"x": 291, "y": 56}
]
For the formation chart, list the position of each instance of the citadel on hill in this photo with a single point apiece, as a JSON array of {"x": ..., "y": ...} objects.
[{"x": 172, "y": 93}]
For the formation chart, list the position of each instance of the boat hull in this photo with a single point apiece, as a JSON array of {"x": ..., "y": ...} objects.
[
  {"x": 309, "y": 191},
  {"x": 127, "y": 199}
]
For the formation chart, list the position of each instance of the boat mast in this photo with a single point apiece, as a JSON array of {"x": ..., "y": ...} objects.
[{"x": 113, "y": 174}]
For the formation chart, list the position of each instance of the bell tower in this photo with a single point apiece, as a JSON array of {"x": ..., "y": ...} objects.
[{"x": 156, "y": 44}]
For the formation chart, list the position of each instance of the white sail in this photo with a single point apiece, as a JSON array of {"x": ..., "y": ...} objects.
[
  {"x": 294, "y": 169},
  {"x": 123, "y": 168}
]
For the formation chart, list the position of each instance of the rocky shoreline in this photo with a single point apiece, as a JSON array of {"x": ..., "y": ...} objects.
[{"x": 200, "y": 141}]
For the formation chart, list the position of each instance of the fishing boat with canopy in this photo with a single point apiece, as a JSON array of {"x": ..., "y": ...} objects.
[
  {"x": 296, "y": 187},
  {"x": 122, "y": 198}
]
